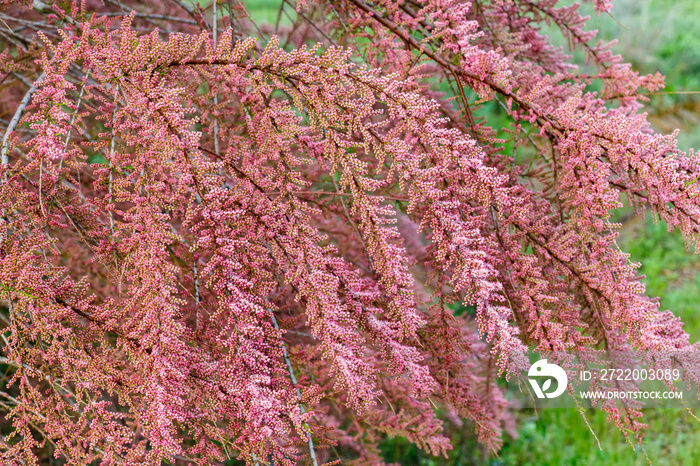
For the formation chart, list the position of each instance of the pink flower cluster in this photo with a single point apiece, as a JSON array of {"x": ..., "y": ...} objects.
[{"x": 214, "y": 246}]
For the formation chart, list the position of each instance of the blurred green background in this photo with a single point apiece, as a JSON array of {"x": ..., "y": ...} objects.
[{"x": 653, "y": 35}]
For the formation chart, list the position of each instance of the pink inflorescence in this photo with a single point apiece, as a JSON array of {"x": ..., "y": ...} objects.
[{"x": 213, "y": 246}]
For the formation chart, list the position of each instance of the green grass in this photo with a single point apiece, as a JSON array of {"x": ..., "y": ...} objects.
[{"x": 558, "y": 437}]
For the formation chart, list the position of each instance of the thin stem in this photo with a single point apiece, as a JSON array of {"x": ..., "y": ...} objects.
[
  {"x": 290, "y": 368},
  {"x": 311, "y": 23},
  {"x": 215, "y": 32},
  {"x": 111, "y": 163},
  {"x": 348, "y": 217},
  {"x": 216, "y": 96},
  {"x": 230, "y": 20},
  {"x": 153, "y": 17},
  {"x": 191, "y": 11},
  {"x": 73, "y": 118},
  {"x": 5, "y": 160}
]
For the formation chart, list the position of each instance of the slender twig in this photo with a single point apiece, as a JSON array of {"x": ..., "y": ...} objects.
[
  {"x": 216, "y": 96},
  {"x": 290, "y": 368},
  {"x": 348, "y": 217},
  {"x": 13, "y": 123},
  {"x": 111, "y": 156},
  {"x": 5, "y": 159},
  {"x": 279, "y": 18},
  {"x": 153, "y": 16},
  {"x": 191, "y": 11},
  {"x": 75, "y": 115},
  {"x": 230, "y": 20},
  {"x": 311, "y": 23}
]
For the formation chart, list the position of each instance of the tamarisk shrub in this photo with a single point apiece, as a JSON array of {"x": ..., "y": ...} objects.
[{"x": 215, "y": 246}]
